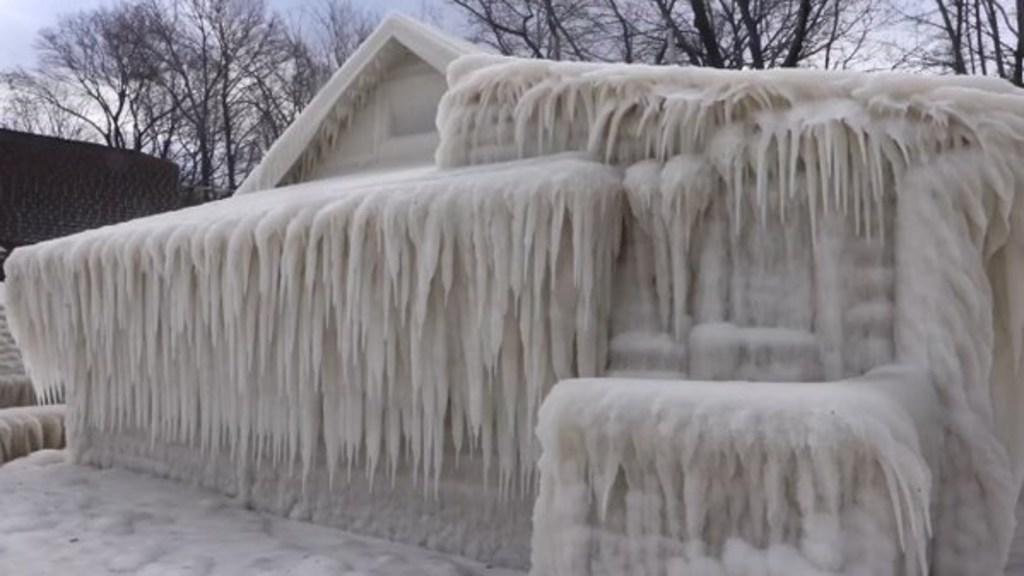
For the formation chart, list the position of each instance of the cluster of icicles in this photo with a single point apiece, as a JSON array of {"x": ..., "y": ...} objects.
[
  {"x": 653, "y": 477},
  {"x": 838, "y": 141},
  {"x": 385, "y": 322}
]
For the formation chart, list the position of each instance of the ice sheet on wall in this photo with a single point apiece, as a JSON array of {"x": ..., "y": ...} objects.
[{"x": 387, "y": 322}]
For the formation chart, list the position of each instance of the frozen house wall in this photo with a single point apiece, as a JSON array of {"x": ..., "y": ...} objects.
[
  {"x": 371, "y": 356},
  {"x": 396, "y": 126},
  {"x": 332, "y": 350},
  {"x": 377, "y": 110}
]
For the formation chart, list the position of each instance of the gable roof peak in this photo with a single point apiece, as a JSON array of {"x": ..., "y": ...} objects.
[{"x": 427, "y": 43}]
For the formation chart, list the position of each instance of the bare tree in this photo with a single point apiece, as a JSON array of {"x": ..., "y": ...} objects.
[
  {"x": 332, "y": 30},
  {"x": 22, "y": 111},
  {"x": 209, "y": 84},
  {"x": 93, "y": 70},
  {"x": 981, "y": 37},
  {"x": 219, "y": 59},
  {"x": 715, "y": 33}
]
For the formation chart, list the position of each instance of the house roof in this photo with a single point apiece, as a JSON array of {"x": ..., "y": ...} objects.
[
  {"x": 52, "y": 187},
  {"x": 432, "y": 46}
]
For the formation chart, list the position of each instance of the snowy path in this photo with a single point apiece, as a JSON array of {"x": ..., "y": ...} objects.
[{"x": 64, "y": 519}]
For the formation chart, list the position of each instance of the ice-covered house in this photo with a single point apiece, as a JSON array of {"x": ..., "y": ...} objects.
[{"x": 782, "y": 309}]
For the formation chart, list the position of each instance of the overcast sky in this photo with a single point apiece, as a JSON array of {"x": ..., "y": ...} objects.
[{"x": 20, "y": 20}]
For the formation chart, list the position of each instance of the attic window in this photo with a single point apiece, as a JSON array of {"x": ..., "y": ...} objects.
[
  {"x": 417, "y": 118},
  {"x": 413, "y": 94}
]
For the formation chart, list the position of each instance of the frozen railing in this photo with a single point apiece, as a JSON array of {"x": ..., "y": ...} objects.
[{"x": 688, "y": 477}]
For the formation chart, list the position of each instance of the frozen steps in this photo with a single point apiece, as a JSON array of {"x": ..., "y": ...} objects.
[
  {"x": 25, "y": 429},
  {"x": 15, "y": 386},
  {"x": 16, "y": 390}
]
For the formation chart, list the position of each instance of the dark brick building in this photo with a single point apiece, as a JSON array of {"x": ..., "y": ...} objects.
[{"x": 51, "y": 187}]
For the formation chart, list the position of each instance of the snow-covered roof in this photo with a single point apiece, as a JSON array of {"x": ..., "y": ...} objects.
[{"x": 339, "y": 98}]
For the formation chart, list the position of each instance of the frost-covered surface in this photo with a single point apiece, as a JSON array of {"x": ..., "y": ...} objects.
[
  {"x": 499, "y": 108},
  {"x": 26, "y": 429},
  {"x": 786, "y": 226},
  {"x": 926, "y": 168},
  {"x": 375, "y": 306},
  {"x": 59, "y": 518},
  {"x": 639, "y": 476},
  {"x": 335, "y": 327}
]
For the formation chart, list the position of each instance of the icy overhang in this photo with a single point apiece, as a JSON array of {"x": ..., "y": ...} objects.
[
  {"x": 500, "y": 108},
  {"x": 370, "y": 316}
]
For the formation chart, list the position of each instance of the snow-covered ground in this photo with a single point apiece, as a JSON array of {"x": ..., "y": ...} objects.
[
  {"x": 59, "y": 518},
  {"x": 63, "y": 519}
]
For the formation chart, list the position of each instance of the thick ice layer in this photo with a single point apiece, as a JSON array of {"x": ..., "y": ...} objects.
[
  {"x": 382, "y": 322},
  {"x": 779, "y": 172},
  {"x": 735, "y": 288},
  {"x": 687, "y": 477},
  {"x": 502, "y": 108}
]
